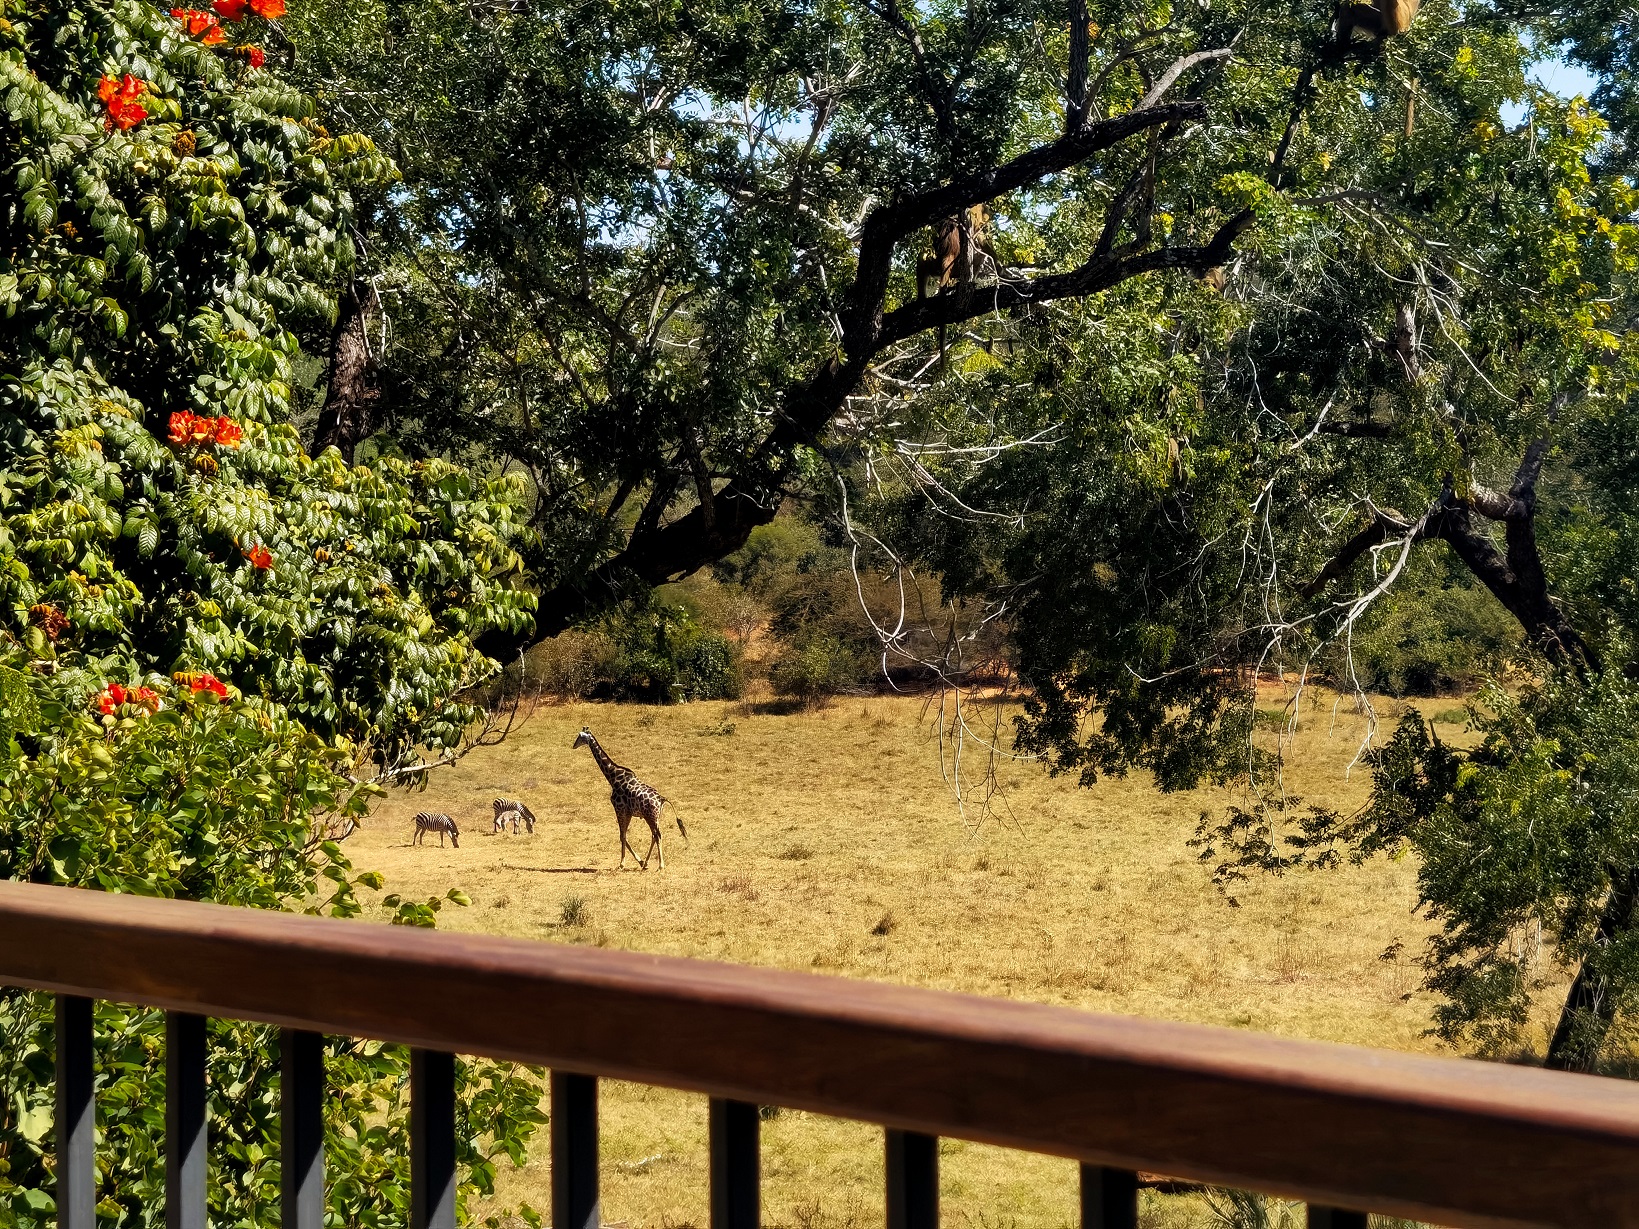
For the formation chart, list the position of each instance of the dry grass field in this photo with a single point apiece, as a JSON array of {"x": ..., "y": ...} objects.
[{"x": 829, "y": 841}]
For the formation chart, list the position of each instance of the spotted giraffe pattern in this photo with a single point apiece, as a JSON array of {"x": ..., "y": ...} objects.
[{"x": 630, "y": 797}]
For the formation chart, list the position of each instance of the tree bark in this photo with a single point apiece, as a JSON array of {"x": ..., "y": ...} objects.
[
  {"x": 354, "y": 403},
  {"x": 1589, "y": 1007}
]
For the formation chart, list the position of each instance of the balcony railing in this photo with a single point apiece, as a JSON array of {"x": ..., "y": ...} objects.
[{"x": 1447, "y": 1141}]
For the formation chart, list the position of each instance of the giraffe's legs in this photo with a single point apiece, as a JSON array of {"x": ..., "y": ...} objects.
[
  {"x": 625, "y": 843},
  {"x": 654, "y": 843}
]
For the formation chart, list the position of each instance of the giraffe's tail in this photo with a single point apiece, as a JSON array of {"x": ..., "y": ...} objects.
[{"x": 678, "y": 820}]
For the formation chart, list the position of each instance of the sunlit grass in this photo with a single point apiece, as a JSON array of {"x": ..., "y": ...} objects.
[{"x": 828, "y": 841}]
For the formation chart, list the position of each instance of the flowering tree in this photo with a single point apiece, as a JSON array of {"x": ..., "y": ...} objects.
[
  {"x": 204, "y": 632},
  {"x": 177, "y": 219}
]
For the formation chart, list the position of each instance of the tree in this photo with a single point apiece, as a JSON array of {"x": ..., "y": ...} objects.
[
  {"x": 652, "y": 255},
  {"x": 170, "y": 240},
  {"x": 206, "y": 635}
]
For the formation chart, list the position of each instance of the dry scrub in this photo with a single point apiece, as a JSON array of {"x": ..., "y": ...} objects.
[{"x": 827, "y": 841}]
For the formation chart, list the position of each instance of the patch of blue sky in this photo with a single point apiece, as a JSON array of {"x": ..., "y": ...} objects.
[{"x": 1557, "y": 77}]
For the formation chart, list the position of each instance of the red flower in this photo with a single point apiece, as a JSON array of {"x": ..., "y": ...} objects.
[
  {"x": 214, "y": 35},
  {"x": 271, "y": 9},
  {"x": 232, "y": 10},
  {"x": 255, "y": 55},
  {"x": 181, "y": 426},
  {"x": 260, "y": 557},
  {"x": 111, "y": 698},
  {"x": 120, "y": 98},
  {"x": 115, "y": 696},
  {"x": 228, "y": 432},
  {"x": 202, "y": 680}
]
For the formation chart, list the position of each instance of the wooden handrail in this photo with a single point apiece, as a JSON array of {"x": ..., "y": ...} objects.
[{"x": 1450, "y": 1141}]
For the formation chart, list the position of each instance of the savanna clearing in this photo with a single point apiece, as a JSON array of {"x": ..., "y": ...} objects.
[{"x": 829, "y": 841}]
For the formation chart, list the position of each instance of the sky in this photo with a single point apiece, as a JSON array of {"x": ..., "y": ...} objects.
[{"x": 1566, "y": 80}]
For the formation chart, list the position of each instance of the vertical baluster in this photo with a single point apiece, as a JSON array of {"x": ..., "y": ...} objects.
[
  {"x": 185, "y": 1119},
  {"x": 432, "y": 1140},
  {"x": 1109, "y": 1198},
  {"x": 1333, "y": 1218},
  {"x": 301, "y": 1133},
  {"x": 736, "y": 1167},
  {"x": 574, "y": 1151},
  {"x": 913, "y": 1180},
  {"x": 76, "y": 1116}
]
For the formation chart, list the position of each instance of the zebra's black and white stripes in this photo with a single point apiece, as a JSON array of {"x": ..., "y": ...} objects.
[
  {"x": 511, "y": 808},
  {"x": 436, "y": 821}
]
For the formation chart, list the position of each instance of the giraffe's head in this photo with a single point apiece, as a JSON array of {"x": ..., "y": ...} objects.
[{"x": 583, "y": 739}]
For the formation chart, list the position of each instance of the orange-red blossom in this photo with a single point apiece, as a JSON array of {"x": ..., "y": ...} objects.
[
  {"x": 234, "y": 10},
  {"x": 115, "y": 696},
  {"x": 260, "y": 557},
  {"x": 202, "y": 26},
  {"x": 120, "y": 98},
  {"x": 203, "y": 681},
  {"x": 190, "y": 428}
]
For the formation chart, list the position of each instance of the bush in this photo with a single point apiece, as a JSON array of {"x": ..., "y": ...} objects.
[
  {"x": 1432, "y": 634},
  {"x": 572, "y": 665},
  {"x": 662, "y": 655},
  {"x": 204, "y": 631},
  {"x": 818, "y": 667},
  {"x": 189, "y": 790}
]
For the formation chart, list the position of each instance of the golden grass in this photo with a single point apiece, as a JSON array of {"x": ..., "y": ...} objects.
[{"x": 828, "y": 841}]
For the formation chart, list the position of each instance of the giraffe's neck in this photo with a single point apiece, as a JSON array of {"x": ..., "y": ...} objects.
[{"x": 611, "y": 769}]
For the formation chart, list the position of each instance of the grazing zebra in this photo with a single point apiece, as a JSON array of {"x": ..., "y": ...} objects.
[
  {"x": 508, "y": 808},
  {"x": 436, "y": 821}
]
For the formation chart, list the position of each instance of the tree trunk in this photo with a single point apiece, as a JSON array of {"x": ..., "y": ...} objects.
[
  {"x": 353, "y": 406},
  {"x": 1589, "y": 1008}
]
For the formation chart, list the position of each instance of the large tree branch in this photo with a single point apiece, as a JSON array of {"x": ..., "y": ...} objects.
[
  {"x": 1075, "y": 81},
  {"x": 887, "y": 225},
  {"x": 717, "y": 527},
  {"x": 1097, "y": 274},
  {"x": 1516, "y": 578}
]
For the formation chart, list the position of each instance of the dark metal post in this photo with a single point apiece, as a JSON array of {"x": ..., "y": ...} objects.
[
  {"x": 574, "y": 1151},
  {"x": 1109, "y": 1198},
  {"x": 913, "y": 1180},
  {"x": 185, "y": 1121},
  {"x": 736, "y": 1166},
  {"x": 432, "y": 1140},
  {"x": 301, "y": 1133},
  {"x": 1333, "y": 1218},
  {"x": 76, "y": 1116}
]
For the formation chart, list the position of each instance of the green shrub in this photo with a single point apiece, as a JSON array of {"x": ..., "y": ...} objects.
[
  {"x": 663, "y": 655},
  {"x": 1432, "y": 634},
  {"x": 204, "y": 632},
  {"x": 818, "y": 667},
  {"x": 168, "y": 790}
]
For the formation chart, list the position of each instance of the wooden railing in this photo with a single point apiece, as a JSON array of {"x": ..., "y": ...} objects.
[{"x": 1441, "y": 1140}]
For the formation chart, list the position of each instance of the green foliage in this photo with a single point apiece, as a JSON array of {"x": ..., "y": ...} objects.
[
  {"x": 163, "y": 276},
  {"x": 1527, "y": 849},
  {"x": 159, "y": 518},
  {"x": 1437, "y": 632},
  {"x": 235, "y": 802},
  {"x": 662, "y": 655},
  {"x": 816, "y": 667}
]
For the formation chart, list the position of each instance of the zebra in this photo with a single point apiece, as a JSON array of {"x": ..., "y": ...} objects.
[
  {"x": 510, "y": 808},
  {"x": 436, "y": 821}
]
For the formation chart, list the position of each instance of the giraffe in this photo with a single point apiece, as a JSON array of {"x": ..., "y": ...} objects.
[{"x": 630, "y": 797}]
